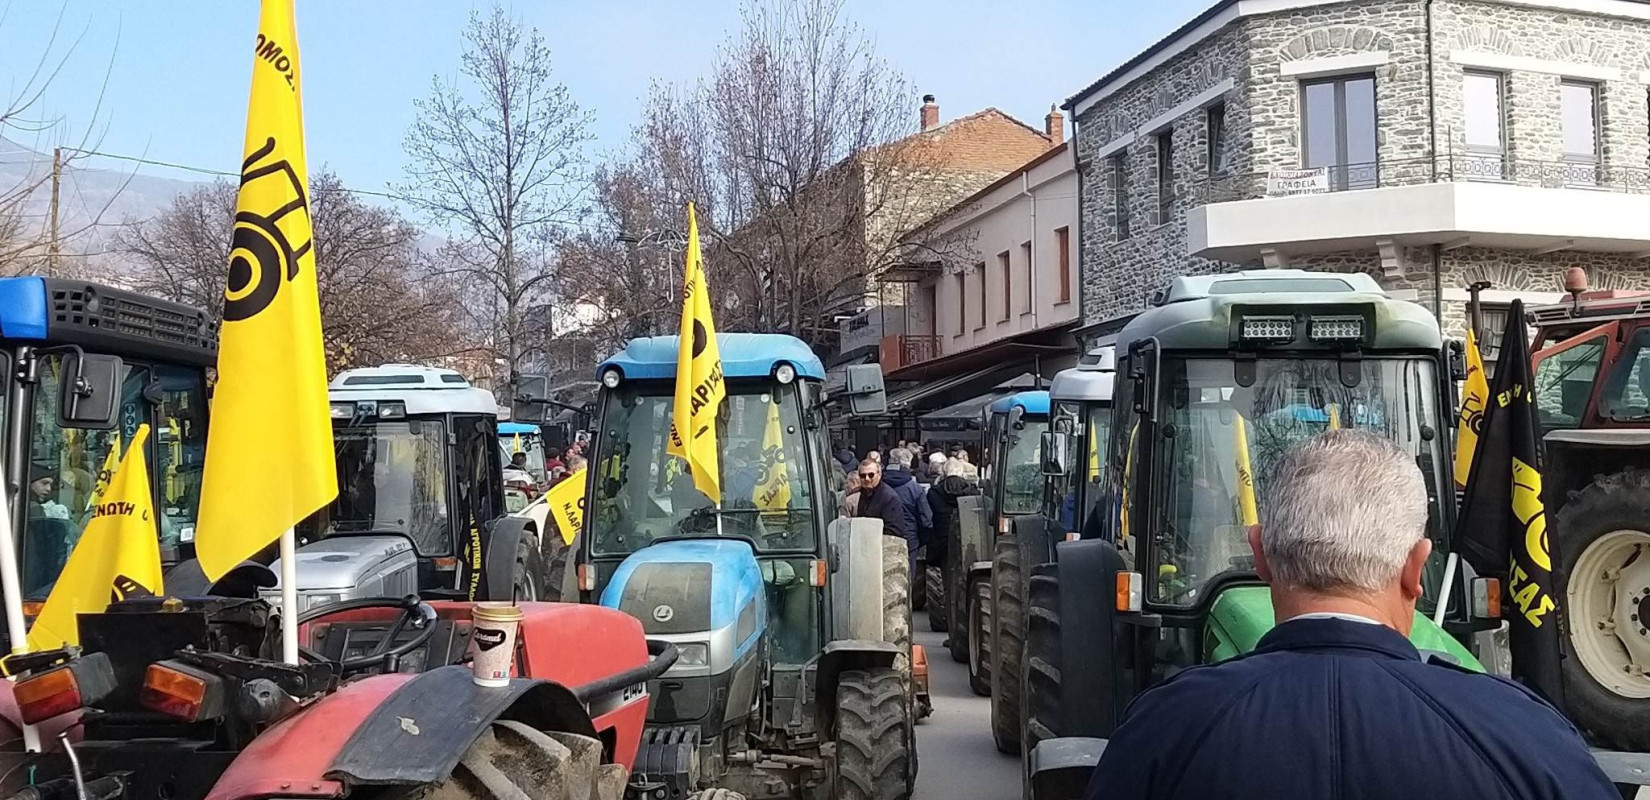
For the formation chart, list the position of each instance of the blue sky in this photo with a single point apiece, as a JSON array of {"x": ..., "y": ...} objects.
[{"x": 177, "y": 90}]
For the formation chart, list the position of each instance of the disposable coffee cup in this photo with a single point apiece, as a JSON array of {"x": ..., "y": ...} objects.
[{"x": 493, "y": 642}]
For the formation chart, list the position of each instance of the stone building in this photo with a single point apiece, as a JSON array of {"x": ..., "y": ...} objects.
[{"x": 1430, "y": 143}]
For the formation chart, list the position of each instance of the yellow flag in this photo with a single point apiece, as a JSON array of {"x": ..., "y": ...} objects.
[
  {"x": 117, "y": 557},
  {"x": 1474, "y": 395},
  {"x": 773, "y": 489},
  {"x": 1247, "y": 512},
  {"x": 566, "y": 501},
  {"x": 699, "y": 389},
  {"x": 516, "y": 445},
  {"x": 1334, "y": 417},
  {"x": 269, "y": 450},
  {"x": 110, "y": 462}
]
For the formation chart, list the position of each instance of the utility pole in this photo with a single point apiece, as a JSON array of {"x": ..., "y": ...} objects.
[{"x": 57, "y": 181}]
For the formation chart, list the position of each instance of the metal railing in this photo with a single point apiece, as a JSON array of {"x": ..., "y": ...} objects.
[
  {"x": 916, "y": 348},
  {"x": 1447, "y": 168}
]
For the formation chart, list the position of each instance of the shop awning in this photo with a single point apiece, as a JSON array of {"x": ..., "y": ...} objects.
[{"x": 912, "y": 399}]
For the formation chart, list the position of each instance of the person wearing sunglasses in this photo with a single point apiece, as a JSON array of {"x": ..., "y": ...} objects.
[{"x": 878, "y": 499}]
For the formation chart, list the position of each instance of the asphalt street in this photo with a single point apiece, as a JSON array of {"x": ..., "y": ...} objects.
[{"x": 956, "y": 757}]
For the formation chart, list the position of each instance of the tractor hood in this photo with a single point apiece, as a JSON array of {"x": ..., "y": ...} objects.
[
  {"x": 694, "y": 590},
  {"x": 351, "y": 567},
  {"x": 1242, "y": 615}
]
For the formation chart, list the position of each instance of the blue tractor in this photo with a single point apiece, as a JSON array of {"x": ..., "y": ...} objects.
[
  {"x": 792, "y": 620},
  {"x": 86, "y": 365}
]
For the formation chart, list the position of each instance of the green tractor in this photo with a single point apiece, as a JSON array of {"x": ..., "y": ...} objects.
[{"x": 1213, "y": 385}]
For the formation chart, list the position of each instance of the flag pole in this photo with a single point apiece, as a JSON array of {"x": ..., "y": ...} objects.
[
  {"x": 1451, "y": 566},
  {"x": 12, "y": 586},
  {"x": 289, "y": 597}
]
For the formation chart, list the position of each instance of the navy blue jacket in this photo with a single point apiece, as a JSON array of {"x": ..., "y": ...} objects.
[
  {"x": 1332, "y": 708},
  {"x": 885, "y": 504},
  {"x": 916, "y": 504}
]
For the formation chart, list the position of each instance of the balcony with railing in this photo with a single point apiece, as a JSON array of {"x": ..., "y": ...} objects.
[
  {"x": 903, "y": 350},
  {"x": 1460, "y": 200}
]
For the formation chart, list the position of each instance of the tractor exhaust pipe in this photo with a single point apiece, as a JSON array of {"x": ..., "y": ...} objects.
[{"x": 661, "y": 656}]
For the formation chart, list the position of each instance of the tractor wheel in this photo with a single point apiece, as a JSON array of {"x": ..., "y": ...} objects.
[
  {"x": 561, "y": 584},
  {"x": 513, "y": 761},
  {"x": 919, "y": 587},
  {"x": 716, "y": 794},
  {"x": 875, "y": 740},
  {"x": 1602, "y": 571},
  {"x": 957, "y": 598},
  {"x": 979, "y": 635},
  {"x": 1040, "y": 686},
  {"x": 529, "y": 581},
  {"x": 1007, "y": 643},
  {"x": 939, "y": 614},
  {"x": 896, "y": 600}
]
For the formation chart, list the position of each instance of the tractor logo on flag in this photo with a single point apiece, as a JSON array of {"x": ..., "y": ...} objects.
[{"x": 261, "y": 256}]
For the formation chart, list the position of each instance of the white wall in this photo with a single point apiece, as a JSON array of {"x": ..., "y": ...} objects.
[{"x": 1029, "y": 208}]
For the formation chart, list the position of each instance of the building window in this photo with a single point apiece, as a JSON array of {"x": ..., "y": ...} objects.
[
  {"x": 1025, "y": 295},
  {"x": 1338, "y": 124},
  {"x": 1578, "y": 109},
  {"x": 1484, "y": 95},
  {"x": 1062, "y": 247},
  {"x": 962, "y": 303},
  {"x": 1120, "y": 192},
  {"x": 1165, "y": 176},
  {"x": 1217, "y": 139},
  {"x": 980, "y": 268},
  {"x": 1006, "y": 268}
]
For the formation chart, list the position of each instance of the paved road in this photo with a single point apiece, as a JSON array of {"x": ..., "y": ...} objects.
[{"x": 956, "y": 757}]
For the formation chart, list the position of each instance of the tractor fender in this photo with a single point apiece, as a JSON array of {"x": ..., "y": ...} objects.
[
  {"x": 1089, "y": 641},
  {"x": 504, "y": 535},
  {"x": 839, "y": 657},
  {"x": 979, "y": 569}
]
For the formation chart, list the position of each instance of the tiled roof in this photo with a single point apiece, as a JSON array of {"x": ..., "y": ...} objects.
[{"x": 985, "y": 141}]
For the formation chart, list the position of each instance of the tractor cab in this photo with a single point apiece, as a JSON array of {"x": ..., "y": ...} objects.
[
  {"x": 86, "y": 366},
  {"x": 421, "y": 502},
  {"x": 1079, "y": 433},
  {"x": 1010, "y": 475},
  {"x": 526, "y": 475},
  {"x": 773, "y": 599},
  {"x": 1213, "y": 385}
]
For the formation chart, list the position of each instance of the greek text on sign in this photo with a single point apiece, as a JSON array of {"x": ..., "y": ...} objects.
[{"x": 1288, "y": 182}]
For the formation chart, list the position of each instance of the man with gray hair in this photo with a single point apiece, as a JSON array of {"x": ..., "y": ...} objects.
[{"x": 1335, "y": 701}]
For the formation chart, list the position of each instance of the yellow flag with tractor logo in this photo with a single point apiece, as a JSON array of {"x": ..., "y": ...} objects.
[
  {"x": 269, "y": 457},
  {"x": 1475, "y": 394},
  {"x": 566, "y": 500},
  {"x": 1248, "y": 513},
  {"x": 699, "y": 389},
  {"x": 117, "y": 557},
  {"x": 110, "y": 463},
  {"x": 773, "y": 488}
]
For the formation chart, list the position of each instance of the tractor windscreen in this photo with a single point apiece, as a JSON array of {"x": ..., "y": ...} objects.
[
  {"x": 526, "y": 448},
  {"x": 1078, "y": 490},
  {"x": 1022, "y": 467},
  {"x": 392, "y": 478},
  {"x": 1213, "y": 431},
  {"x": 643, "y": 494}
]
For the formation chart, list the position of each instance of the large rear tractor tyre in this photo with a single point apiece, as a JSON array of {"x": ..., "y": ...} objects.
[
  {"x": 561, "y": 581},
  {"x": 1602, "y": 536},
  {"x": 1007, "y": 643},
  {"x": 979, "y": 635},
  {"x": 939, "y": 614},
  {"x": 514, "y": 761},
  {"x": 530, "y": 579},
  {"x": 716, "y": 794},
  {"x": 896, "y": 600},
  {"x": 875, "y": 741},
  {"x": 919, "y": 587},
  {"x": 1040, "y": 686}
]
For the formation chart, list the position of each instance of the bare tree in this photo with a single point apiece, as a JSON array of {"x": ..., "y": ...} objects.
[
  {"x": 496, "y": 159},
  {"x": 621, "y": 273},
  {"x": 379, "y": 302},
  {"x": 798, "y": 152}
]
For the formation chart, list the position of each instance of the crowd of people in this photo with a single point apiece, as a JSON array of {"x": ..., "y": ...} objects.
[{"x": 913, "y": 493}]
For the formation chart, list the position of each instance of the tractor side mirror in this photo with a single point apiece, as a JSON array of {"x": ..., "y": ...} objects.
[
  {"x": 88, "y": 391},
  {"x": 1016, "y": 418},
  {"x": 866, "y": 394},
  {"x": 1056, "y": 453},
  {"x": 1142, "y": 372}
]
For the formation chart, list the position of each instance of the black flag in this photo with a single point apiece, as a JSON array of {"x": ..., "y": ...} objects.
[{"x": 1503, "y": 524}]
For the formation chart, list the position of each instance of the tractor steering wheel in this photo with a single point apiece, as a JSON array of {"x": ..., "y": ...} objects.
[{"x": 387, "y": 654}]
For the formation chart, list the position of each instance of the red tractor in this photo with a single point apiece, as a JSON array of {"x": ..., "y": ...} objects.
[
  {"x": 179, "y": 699},
  {"x": 1592, "y": 392}
]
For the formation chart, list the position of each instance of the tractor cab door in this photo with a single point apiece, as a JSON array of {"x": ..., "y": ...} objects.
[
  {"x": 477, "y": 491},
  {"x": 1566, "y": 373}
]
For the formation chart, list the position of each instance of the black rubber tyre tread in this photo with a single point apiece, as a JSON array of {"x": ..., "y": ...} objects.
[
  {"x": 896, "y": 600},
  {"x": 716, "y": 794},
  {"x": 1040, "y": 686},
  {"x": 979, "y": 638},
  {"x": 529, "y": 572},
  {"x": 939, "y": 618},
  {"x": 558, "y": 559},
  {"x": 1007, "y": 643},
  {"x": 875, "y": 749},
  {"x": 919, "y": 586},
  {"x": 514, "y": 761},
  {"x": 1620, "y": 501}
]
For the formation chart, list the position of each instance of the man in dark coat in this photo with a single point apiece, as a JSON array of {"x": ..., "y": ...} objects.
[
  {"x": 898, "y": 476},
  {"x": 845, "y": 457},
  {"x": 1335, "y": 701},
  {"x": 878, "y": 499}
]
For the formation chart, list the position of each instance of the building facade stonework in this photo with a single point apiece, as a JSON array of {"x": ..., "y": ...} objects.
[{"x": 1226, "y": 99}]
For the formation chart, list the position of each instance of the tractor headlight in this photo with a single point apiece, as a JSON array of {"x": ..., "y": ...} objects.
[
  {"x": 1267, "y": 329},
  {"x": 343, "y": 410},
  {"x": 611, "y": 377},
  {"x": 393, "y": 410},
  {"x": 784, "y": 373},
  {"x": 309, "y": 601},
  {"x": 695, "y": 654},
  {"x": 1335, "y": 329}
]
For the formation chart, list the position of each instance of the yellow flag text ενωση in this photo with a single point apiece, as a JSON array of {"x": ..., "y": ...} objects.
[
  {"x": 566, "y": 501},
  {"x": 699, "y": 389},
  {"x": 269, "y": 460},
  {"x": 117, "y": 557},
  {"x": 1475, "y": 395},
  {"x": 773, "y": 487}
]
